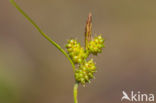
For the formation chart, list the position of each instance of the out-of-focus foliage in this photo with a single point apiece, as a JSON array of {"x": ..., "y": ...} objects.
[{"x": 8, "y": 94}]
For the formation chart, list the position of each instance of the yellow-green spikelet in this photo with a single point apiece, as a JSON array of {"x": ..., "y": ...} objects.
[
  {"x": 95, "y": 46},
  {"x": 85, "y": 72},
  {"x": 75, "y": 51}
]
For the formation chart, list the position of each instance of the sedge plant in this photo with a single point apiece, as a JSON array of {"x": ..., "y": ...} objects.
[{"x": 83, "y": 67}]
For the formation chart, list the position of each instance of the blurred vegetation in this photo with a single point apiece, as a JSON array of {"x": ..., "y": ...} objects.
[{"x": 8, "y": 93}]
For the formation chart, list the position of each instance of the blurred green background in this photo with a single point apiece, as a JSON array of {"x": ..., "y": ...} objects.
[{"x": 34, "y": 71}]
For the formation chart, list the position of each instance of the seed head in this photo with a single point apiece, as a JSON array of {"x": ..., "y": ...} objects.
[
  {"x": 95, "y": 46},
  {"x": 85, "y": 72},
  {"x": 75, "y": 51}
]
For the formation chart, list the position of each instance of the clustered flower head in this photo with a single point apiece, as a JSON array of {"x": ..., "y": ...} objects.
[
  {"x": 75, "y": 51},
  {"x": 85, "y": 72},
  {"x": 95, "y": 46},
  {"x": 78, "y": 54},
  {"x": 85, "y": 68}
]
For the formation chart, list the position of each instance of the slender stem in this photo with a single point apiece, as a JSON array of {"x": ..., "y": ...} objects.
[
  {"x": 51, "y": 41},
  {"x": 41, "y": 32},
  {"x": 75, "y": 92}
]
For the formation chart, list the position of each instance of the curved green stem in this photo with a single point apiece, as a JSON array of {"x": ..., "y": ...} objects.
[
  {"x": 75, "y": 92},
  {"x": 41, "y": 32},
  {"x": 50, "y": 40}
]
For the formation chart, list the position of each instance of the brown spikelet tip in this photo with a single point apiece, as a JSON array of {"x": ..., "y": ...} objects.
[{"x": 88, "y": 28}]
